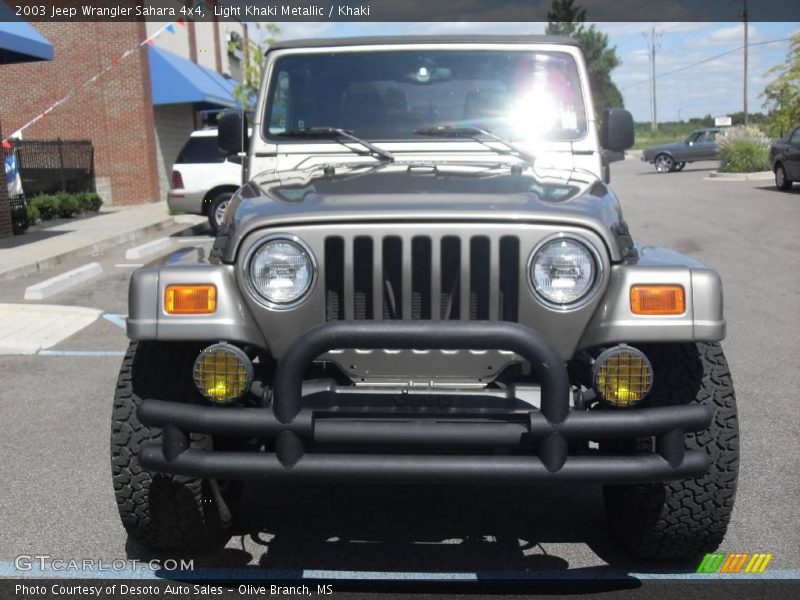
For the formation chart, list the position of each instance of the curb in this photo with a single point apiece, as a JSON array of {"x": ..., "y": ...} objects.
[
  {"x": 138, "y": 252},
  {"x": 757, "y": 176},
  {"x": 62, "y": 282},
  {"x": 95, "y": 248}
]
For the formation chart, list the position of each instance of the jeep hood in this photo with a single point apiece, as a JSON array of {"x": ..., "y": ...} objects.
[{"x": 424, "y": 193}]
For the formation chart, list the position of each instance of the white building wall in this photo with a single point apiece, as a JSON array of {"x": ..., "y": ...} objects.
[{"x": 206, "y": 51}]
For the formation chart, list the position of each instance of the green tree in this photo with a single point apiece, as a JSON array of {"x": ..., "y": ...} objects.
[
  {"x": 564, "y": 18},
  {"x": 252, "y": 50},
  {"x": 782, "y": 94}
]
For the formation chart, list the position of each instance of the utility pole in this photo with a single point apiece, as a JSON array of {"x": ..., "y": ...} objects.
[
  {"x": 652, "y": 51},
  {"x": 746, "y": 27}
]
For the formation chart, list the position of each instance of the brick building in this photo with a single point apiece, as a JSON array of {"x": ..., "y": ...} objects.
[
  {"x": 19, "y": 42},
  {"x": 138, "y": 114}
]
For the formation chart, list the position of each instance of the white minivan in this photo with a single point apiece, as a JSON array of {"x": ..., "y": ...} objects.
[{"x": 203, "y": 178}]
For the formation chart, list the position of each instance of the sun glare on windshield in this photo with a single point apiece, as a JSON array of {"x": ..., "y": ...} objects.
[{"x": 519, "y": 95}]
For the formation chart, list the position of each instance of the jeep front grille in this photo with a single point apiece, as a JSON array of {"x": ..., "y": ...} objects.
[{"x": 421, "y": 277}]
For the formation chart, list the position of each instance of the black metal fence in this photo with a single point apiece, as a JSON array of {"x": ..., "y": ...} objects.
[{"x": 51, "y": 166}]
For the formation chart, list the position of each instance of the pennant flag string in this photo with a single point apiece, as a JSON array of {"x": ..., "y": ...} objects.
[{"x": 116, "y": 61}]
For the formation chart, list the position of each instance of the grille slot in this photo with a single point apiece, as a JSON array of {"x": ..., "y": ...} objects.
[
  {"x": 362, "y": 278},
  {"x": 392, "y": 278},
  {"x": 422, "y": 277},
  {"x": 334, "y": 278},
  {"x": 508, "y": 273}
]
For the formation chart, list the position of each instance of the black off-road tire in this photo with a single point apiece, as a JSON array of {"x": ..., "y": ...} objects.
[
  {"x": 161, "y": 511},
  {"x": 685, "y": 518}
]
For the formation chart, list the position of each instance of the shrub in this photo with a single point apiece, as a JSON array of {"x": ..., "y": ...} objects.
[
  {"x": 95, "y": 201},
  {"x": 89, "y": 202},
  {"x": 743, "y": 156},
  {"x": 68, "y": 205},
  {"x": 65, "y": 205},
  {"x": 47, "y": 205},
  {"x": 33, "y": 213},
  {"x": 84, "y": 203}
]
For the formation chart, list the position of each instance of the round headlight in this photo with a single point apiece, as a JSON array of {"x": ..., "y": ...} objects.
[
  {"x": 281, "y": 271},
  {"x": 563, "y": 271}
]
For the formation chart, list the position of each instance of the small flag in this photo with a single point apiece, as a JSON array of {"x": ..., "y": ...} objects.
[
  {"x": 181, "y": 22},
  {"x": 6, "y": 144},
  {"x": 149, "y": 42},
  {"x": 116, "y": 60},
  {"x": 171, "y": 28}
]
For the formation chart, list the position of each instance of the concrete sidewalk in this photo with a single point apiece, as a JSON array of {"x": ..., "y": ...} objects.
[{"x": 83, "y": 237}]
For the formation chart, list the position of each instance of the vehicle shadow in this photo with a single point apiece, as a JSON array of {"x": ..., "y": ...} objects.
[
  {"x": 493, "y": 534},
  {"x": 684, "y": 170},
  {"x": 771, "y": 188}
]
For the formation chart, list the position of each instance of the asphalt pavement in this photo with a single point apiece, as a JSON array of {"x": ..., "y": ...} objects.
[{"x": 55, "y": 406}]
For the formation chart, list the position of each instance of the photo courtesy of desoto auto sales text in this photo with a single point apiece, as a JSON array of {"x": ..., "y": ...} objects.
[{"x": 402, "y": 299}]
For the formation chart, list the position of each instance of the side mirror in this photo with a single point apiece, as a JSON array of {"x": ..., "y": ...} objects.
[
  {"x": 232, "y": 135},
  {"x": 617, "y": 132}
]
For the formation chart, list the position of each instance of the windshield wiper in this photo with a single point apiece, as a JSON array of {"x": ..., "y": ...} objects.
[
  {"x": 475, "y": 133},
  {"x": 336, "y": 132}
]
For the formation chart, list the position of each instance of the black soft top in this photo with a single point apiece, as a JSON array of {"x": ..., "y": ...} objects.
[{"x": 423, "y": 39}]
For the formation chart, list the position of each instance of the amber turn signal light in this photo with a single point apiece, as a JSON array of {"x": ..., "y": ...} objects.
[
  {"x": 658, "y": 300},
  {"x": 190, "y": 299}
]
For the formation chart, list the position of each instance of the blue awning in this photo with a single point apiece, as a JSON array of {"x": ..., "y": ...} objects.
[
  {"x": 20, "y": 41},
  {"x": 177, "y": 80}
]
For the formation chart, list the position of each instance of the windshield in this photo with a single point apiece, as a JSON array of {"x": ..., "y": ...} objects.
[{"x": 517, "y": 95}]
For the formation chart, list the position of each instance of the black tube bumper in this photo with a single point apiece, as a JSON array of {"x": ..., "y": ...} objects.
[{"x": 542, "y": 437}]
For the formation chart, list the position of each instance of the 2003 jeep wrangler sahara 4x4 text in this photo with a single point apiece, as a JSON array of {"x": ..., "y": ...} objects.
[{"x": 427, "y": 279}]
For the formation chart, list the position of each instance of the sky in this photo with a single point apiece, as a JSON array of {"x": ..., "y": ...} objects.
[{"x": 715, "y": 87}]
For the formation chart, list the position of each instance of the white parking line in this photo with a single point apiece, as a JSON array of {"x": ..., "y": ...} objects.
[
  {"x": 129, "y": 265},
  {"x": 147, "y": 249},
  {"x": 59, "y": 283}
]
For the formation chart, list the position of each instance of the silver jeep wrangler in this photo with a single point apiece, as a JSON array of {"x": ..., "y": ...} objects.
[{"x": 426, "y": 279}]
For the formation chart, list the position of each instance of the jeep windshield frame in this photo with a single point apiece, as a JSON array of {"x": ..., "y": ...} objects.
[{"x": 520, "y": 95}]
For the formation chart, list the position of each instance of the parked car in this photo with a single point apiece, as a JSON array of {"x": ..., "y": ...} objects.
[
  {"x": 698, "y": 145},
  {"x": 784, "y": 158},
  {"x": 204, "y": 178},
  {"x": 404, "y": 293}
]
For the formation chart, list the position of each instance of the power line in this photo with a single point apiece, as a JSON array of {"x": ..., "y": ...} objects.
[{"x": 707, "y": 60}]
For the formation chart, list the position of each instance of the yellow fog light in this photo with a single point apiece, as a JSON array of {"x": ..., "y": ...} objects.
[
  {"x": 622, "y": 375},
  {"x": 222, "y": 373}
]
